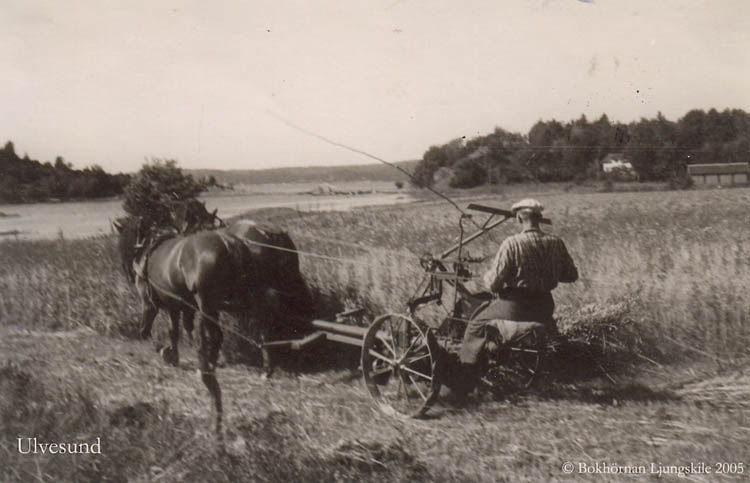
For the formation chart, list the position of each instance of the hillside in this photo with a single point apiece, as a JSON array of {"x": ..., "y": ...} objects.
[{"x": 312, "y": 174}]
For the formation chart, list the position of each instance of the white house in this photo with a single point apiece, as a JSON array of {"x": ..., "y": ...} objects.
[{"x": 615, "y": 162}]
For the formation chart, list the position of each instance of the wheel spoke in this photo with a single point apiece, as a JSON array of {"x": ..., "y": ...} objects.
[
  {"x": 411, "y": 346},
  {"x": 393, "y": 339},
  {"x": 528, "y": 351},
  {"x": 418, "y": 358},
  {"x": 518, "y": 367},
  {"x": 383, "y": 358},
  {"x": 388, "y": 344},
  {"x": 401, "y": 385},
  {"x": 416, "y": 373},
  {"x": 416, "y": 386},
  {"x": 397, "y": 364}
]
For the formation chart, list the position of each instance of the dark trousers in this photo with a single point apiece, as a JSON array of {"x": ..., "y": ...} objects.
[{"x": 517, "y": 305}]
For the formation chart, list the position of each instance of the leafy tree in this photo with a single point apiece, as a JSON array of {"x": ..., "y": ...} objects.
[
  {"x": 25, "y": 180},
  {"x": 10, "y": 189},
  {"x": 642, "y": 150},
  {"x": 581, "y": 150},
  {"x": 658, "y": 148},
  {"x": 8, "y": 152},
  {"x": 62, "y": 166},
  {"x": 544, "y": 151},
  {"x": 468, "y": 173},
  {"x": 502, "y": 156},
  {"x": 737, "y": 150},
  {"x": 435, "y": 158},
  {"x": 604, "y": 137},
  {"x": 690, "y": 131},
  {"x": 669, "y": 162},
  {"x": 156, "y": 186}
]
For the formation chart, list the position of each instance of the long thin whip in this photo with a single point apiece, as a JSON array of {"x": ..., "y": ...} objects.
[
  {"x": 363, "y": 153},
  {"x": 381, "y": 160}
]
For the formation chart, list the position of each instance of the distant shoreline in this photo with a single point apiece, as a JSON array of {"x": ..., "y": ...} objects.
[
  {"x": 83, "y": 219},
  {"x": 308, "y": 188}
]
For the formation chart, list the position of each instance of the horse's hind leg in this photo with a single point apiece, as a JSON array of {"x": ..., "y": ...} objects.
[
  {"x": 170, "y": 354},
  {"x": 148, "y": 314},
  {"x": 259, "y": 333},
  {"x": 188, "y": 318},
  {"x": 210, "y": 338},
  {"x": 266, "y": 316},
  {"x": 264, "y": 334},
  {"x": 217, "y": 338}
]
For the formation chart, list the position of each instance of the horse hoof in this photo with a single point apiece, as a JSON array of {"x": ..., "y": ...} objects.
[{"x": 170, "y": 356}]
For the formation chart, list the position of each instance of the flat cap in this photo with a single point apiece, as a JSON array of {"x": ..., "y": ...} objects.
[{"x": 527, "y": 204}]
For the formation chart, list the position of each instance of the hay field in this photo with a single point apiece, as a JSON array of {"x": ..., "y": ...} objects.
[
  {"x": 674, "y": 264},
  {"x": 679, "y": 258}
]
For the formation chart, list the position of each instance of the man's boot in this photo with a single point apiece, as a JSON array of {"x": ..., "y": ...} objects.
[{"x": 465, "y": 380}]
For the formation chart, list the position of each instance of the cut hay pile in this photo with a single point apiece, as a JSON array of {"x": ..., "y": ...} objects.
[
  {"x": 605, "y": 335},
  {"x": 725, "y": 391}
]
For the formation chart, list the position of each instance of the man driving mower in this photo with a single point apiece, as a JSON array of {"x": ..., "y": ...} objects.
[{"x": 527, "y": 267}]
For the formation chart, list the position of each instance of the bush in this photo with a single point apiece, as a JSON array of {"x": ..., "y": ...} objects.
[
  {"x": 681, "y": 181},
  {"x": 155, "y": 187},
  {"x": 607, "y": 186}
]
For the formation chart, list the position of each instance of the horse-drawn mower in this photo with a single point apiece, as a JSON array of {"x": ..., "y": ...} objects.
[{"x": 406, "y": 360}]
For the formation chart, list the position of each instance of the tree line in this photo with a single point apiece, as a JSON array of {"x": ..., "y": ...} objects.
[
  {"x": 24, "y": 180},
  {"x": 658, "y": 149}
]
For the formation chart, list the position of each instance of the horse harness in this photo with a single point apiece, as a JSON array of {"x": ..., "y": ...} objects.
[
  {"x": 140, "y": 262},
  {"x": 240, "y": 250}
]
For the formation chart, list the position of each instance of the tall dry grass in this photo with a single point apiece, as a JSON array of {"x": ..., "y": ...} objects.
[
  {"x": 682, "y": 257},
  {"x": 65, "y": 284},
  {"x": 673, "y": 264}
]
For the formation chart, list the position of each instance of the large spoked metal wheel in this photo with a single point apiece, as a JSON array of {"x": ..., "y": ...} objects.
[
  {"x": 518, "y": 363},
  {"x": 398, "y": 362}
]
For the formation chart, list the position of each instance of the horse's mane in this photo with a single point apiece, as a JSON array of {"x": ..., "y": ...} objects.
[{"x": 191, "y": 215}]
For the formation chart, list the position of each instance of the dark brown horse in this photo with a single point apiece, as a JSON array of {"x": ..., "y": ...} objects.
[
  {"x": 191, "y": 215},
  {"x": 240, "y": 268}
]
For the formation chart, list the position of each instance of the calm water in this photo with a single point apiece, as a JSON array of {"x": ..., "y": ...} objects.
[{"x": 83, "y": 219}]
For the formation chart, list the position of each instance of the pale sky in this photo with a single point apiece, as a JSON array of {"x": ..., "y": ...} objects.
[{"x": 211, "y": 83}]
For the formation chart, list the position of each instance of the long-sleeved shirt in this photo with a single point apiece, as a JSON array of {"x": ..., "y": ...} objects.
[{"x": 532, "y": 259}]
